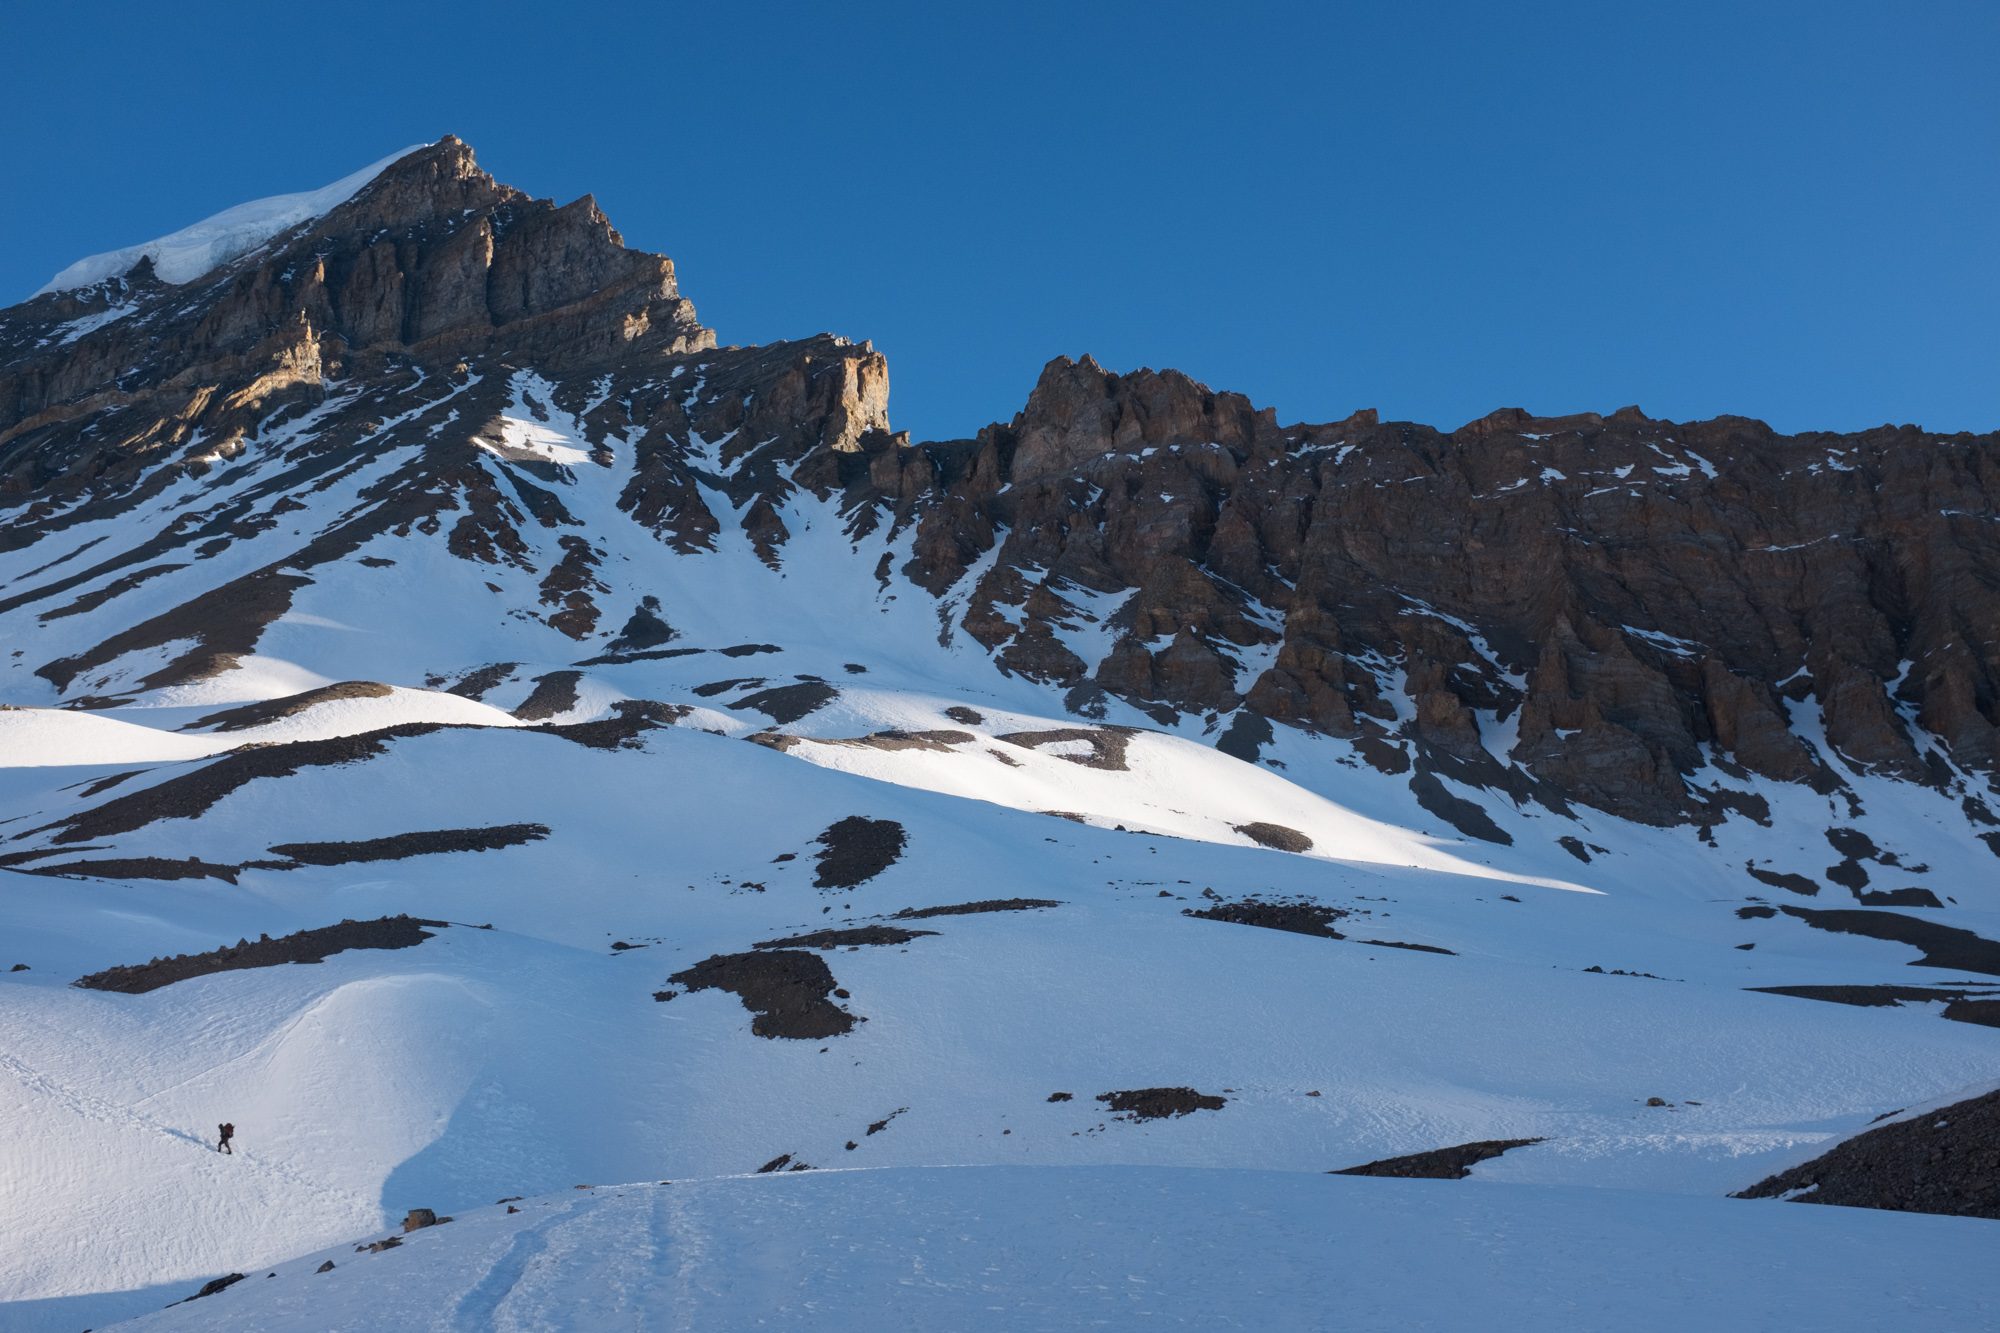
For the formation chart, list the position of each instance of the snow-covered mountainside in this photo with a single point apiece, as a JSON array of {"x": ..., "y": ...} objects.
[{"x": 480, "y": 737}]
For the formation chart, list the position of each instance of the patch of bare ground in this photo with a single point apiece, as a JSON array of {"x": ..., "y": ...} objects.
[
  {"x": 789, "y": 703},
  {"x": 715, "y": 687},
  {"x": 1945, "y": 947},
  {"x": 190, "y": 795},
  {"x": 305, "y": 946},
  {"x": 1960, "y": 1006},
  {"x": 1107, "y": 744},
  {"x": 1159, "y": 1103},
  {"x": 245, "y": 716},
  {"x": 906, "y": 740},
  {"x": 553, "y": 695},
  {"x": 399, "y": 846},
  {"x": 1454, "y": 1163},
  {"x": 1468, "y": 817},
  {"x": 1300, "y": 918},
  {"x": 142, "y": 867},
  {"x": 965, "y": 717},
  {"x": 844, "y": 938},
  {"x": 11, "y": 859},
  {"x": 749, "y": 649},
  {"x": 1945, "y": 1161},
  {"x": 649, "y": 655},
  {"x": 118, "y": 587},
  {"x": 475, "y": 683},
  {"x": 856, "y": 849},
  {"x": 223, "y": 625},
  {"x": 1909, "y": 897},
  {"x": 1784, "y": 879},
  {"x": 785, "y": 990},
  {"x": 974, "y": 909},
  {"x": 105, "y": 784},
  {"x": 625, "y": 730},
  {"x": 783, "y": 1162},
  {"x": 1275, "y": 836}
]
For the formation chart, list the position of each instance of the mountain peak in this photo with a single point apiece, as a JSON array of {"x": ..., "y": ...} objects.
[
  {"x": 1079, "y": 411},
  {"x": 198, "y": 249}
]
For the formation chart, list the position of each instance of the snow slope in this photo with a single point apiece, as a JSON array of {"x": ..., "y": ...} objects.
[
  {"x": 531, "y": 1057},
  {"x": 1126, "y": 1247},
  {"x": 194, "y": 251}
]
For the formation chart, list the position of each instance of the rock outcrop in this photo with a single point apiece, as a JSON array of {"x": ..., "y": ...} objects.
[{"x": 1635, "y": 615}]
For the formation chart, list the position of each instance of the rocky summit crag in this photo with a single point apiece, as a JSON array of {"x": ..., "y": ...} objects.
[{"x": 1634, "y": 615}]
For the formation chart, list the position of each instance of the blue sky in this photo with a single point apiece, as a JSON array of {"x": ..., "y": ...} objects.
[{"x": 1789, "y": 211}]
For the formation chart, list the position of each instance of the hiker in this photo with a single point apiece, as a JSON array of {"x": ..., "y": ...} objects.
[{"x": 228, "y": 1132}]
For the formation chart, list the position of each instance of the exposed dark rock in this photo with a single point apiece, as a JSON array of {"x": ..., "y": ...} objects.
[
  {"x": 1908, "y": 897},
  {"x": 786, "y": 990},
  {"x": 625, "y": 730},
  {"x": 973, "y": 909},
  {"x": 188, "y": 795},
  {"x": 1943, "y": 946},
  {"x": 849, "y": 937},
  {"x": 1468, "y": 817},
  {"x": 1778, "y": 879},
  {"x": 553, "y": 695},
  {"x": 475, "y": 684},
  {"x": 1960, "y": 1006},
  {"x": 1454, "y": 1163},
  {"x": 1276, "y": 836},
  {"x": 305, "y": 946},
  {"x": 400, "y": 846},
  {"x": 212, "y": 1288},
  {"x": 1106, "y": 745},
  {"x": 1944, "y": 1161},
  {"x": 1300, "y": 918},
  {"x": 245, "y": 716},
  {"x": 789, "y": 703},
  {"x": 1159, "y": 1103},
  {"x": 140, "y": 867},
  {"x": 1418, "y": 948},
  {"x": 935, "y": 741},
  {"x": 644, "y": 629},
  {"x": 856, "y": 849}
]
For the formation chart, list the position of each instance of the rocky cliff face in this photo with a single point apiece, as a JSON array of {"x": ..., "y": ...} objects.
[
  {"x": 1622, "y": 613},
  {"x": 1581, "y": 608}
]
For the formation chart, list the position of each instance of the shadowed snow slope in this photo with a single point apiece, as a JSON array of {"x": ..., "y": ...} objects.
[{"x": 1136, "y": 1247}]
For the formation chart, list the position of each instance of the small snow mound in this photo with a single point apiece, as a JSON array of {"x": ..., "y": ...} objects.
[{"x": 194, "y": 251}]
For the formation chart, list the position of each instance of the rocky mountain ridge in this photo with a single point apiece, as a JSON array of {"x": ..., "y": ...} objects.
[{"x": 1613, "y": 612}]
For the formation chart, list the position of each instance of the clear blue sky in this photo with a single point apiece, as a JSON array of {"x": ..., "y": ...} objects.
[{"x": 1781, "y": 210}]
